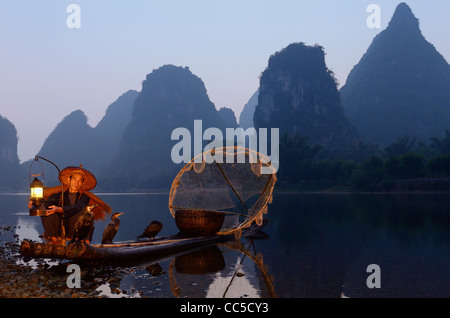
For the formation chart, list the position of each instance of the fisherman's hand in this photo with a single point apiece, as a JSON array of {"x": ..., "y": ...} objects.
[
  {"x": 30, "y": 204},
  {"x": 52, "y": 209}
]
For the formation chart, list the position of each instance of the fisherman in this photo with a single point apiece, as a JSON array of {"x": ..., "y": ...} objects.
[{"x": 64, "y": 209}]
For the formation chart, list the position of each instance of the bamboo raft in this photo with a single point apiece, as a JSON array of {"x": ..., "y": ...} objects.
[{"x": 128, "y": 250}]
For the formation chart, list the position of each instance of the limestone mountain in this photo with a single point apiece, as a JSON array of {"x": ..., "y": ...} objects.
[
  {"x": 246, "y": 117},
  {"x": 117, "y": 117},
  {"x": 298, "y": 95},
  {"x": 401, "y": 85},
  {"x": 228, "y": 117},
  {"x": 75, "y": 142},
  {"x": 8, "y": 142},
  {"x": 10, "y": 171},
  {"x": 70, "y": 144},
  {"x": 171, "y": 97}
]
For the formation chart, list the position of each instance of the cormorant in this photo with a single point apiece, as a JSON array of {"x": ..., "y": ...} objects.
[
  {"x": 84, "y": 225},
  {"x": 151, "y": 230},
  {"x": 111, "y": 229}
]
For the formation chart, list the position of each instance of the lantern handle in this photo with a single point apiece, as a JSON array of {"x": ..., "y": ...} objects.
[
  {"x": 36, "y": 158},
  {"x": 37, "y": 174}
]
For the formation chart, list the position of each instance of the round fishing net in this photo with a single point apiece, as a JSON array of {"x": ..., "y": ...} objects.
[{"x": 230, "y": 187}]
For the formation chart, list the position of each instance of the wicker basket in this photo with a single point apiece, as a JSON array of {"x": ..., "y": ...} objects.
[{"x": 198, "y": 222}]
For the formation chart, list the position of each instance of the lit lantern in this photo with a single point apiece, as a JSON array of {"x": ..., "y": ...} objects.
[
  {"x": 37, "y": 190},
  {"x": 37, "y": 200}
]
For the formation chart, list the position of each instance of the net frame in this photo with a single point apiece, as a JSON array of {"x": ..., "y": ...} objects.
[{"x": 256, "y": 160}]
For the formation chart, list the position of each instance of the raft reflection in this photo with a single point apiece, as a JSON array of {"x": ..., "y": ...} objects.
[
  {"x": 224, "y": 270},
  {"x": 227, "y": 270}
]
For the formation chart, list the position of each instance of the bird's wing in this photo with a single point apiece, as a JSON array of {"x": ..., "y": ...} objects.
[{"x": 107, "y": 229}]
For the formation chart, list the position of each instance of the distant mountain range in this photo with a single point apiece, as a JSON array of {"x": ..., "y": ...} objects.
[
  {"x": 171, "y": 97},
  {"x": 10, "y": 170},
  {"x": 400, "y": 87},
  {"x": 246, "y": 117},
  {"x": 74, "y": 142}
]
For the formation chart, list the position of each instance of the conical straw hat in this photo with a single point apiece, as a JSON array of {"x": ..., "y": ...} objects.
[{"x": 89, "y": 182}]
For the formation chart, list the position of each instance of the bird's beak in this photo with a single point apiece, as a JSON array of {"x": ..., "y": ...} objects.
[{"x": 120, "y": 213}]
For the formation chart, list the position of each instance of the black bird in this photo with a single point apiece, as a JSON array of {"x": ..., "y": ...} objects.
[
  {"x": 151, "y": 230},
  {"x": 111, "y": 229},
  {"x": 84, "y": 225}
]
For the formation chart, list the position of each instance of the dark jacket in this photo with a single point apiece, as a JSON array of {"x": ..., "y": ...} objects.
[{"x": 81, "y": 201}]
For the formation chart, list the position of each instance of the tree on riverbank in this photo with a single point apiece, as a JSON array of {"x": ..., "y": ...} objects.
[{"x": 303, "y": 167}]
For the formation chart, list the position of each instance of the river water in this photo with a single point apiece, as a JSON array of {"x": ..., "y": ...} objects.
[{"x": 314, "y": 245}]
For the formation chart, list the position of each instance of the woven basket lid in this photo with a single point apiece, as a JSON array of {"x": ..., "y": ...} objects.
[{"x": 89, "y": 183}]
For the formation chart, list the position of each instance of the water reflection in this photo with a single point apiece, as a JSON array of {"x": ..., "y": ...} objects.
[
  {"x": 215, "y": 271},
  {"x": 218, "y": 271},
  {"x": 236, "y": 285},
  {"x": 27, "y": 228},
  {"x": 105, "y": 290},
  {"x": 326, "y": 242},
  {"x": 228, "y": 271},
  {"x": 319, "y": 245}
]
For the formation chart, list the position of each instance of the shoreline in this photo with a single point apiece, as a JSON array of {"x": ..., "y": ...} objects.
[
  {"x": 22, "y": 277},
  {"x": 33, "y": 278}
]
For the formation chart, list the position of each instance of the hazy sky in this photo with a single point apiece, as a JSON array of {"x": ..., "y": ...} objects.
[{"x": 48, "y": 70}]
